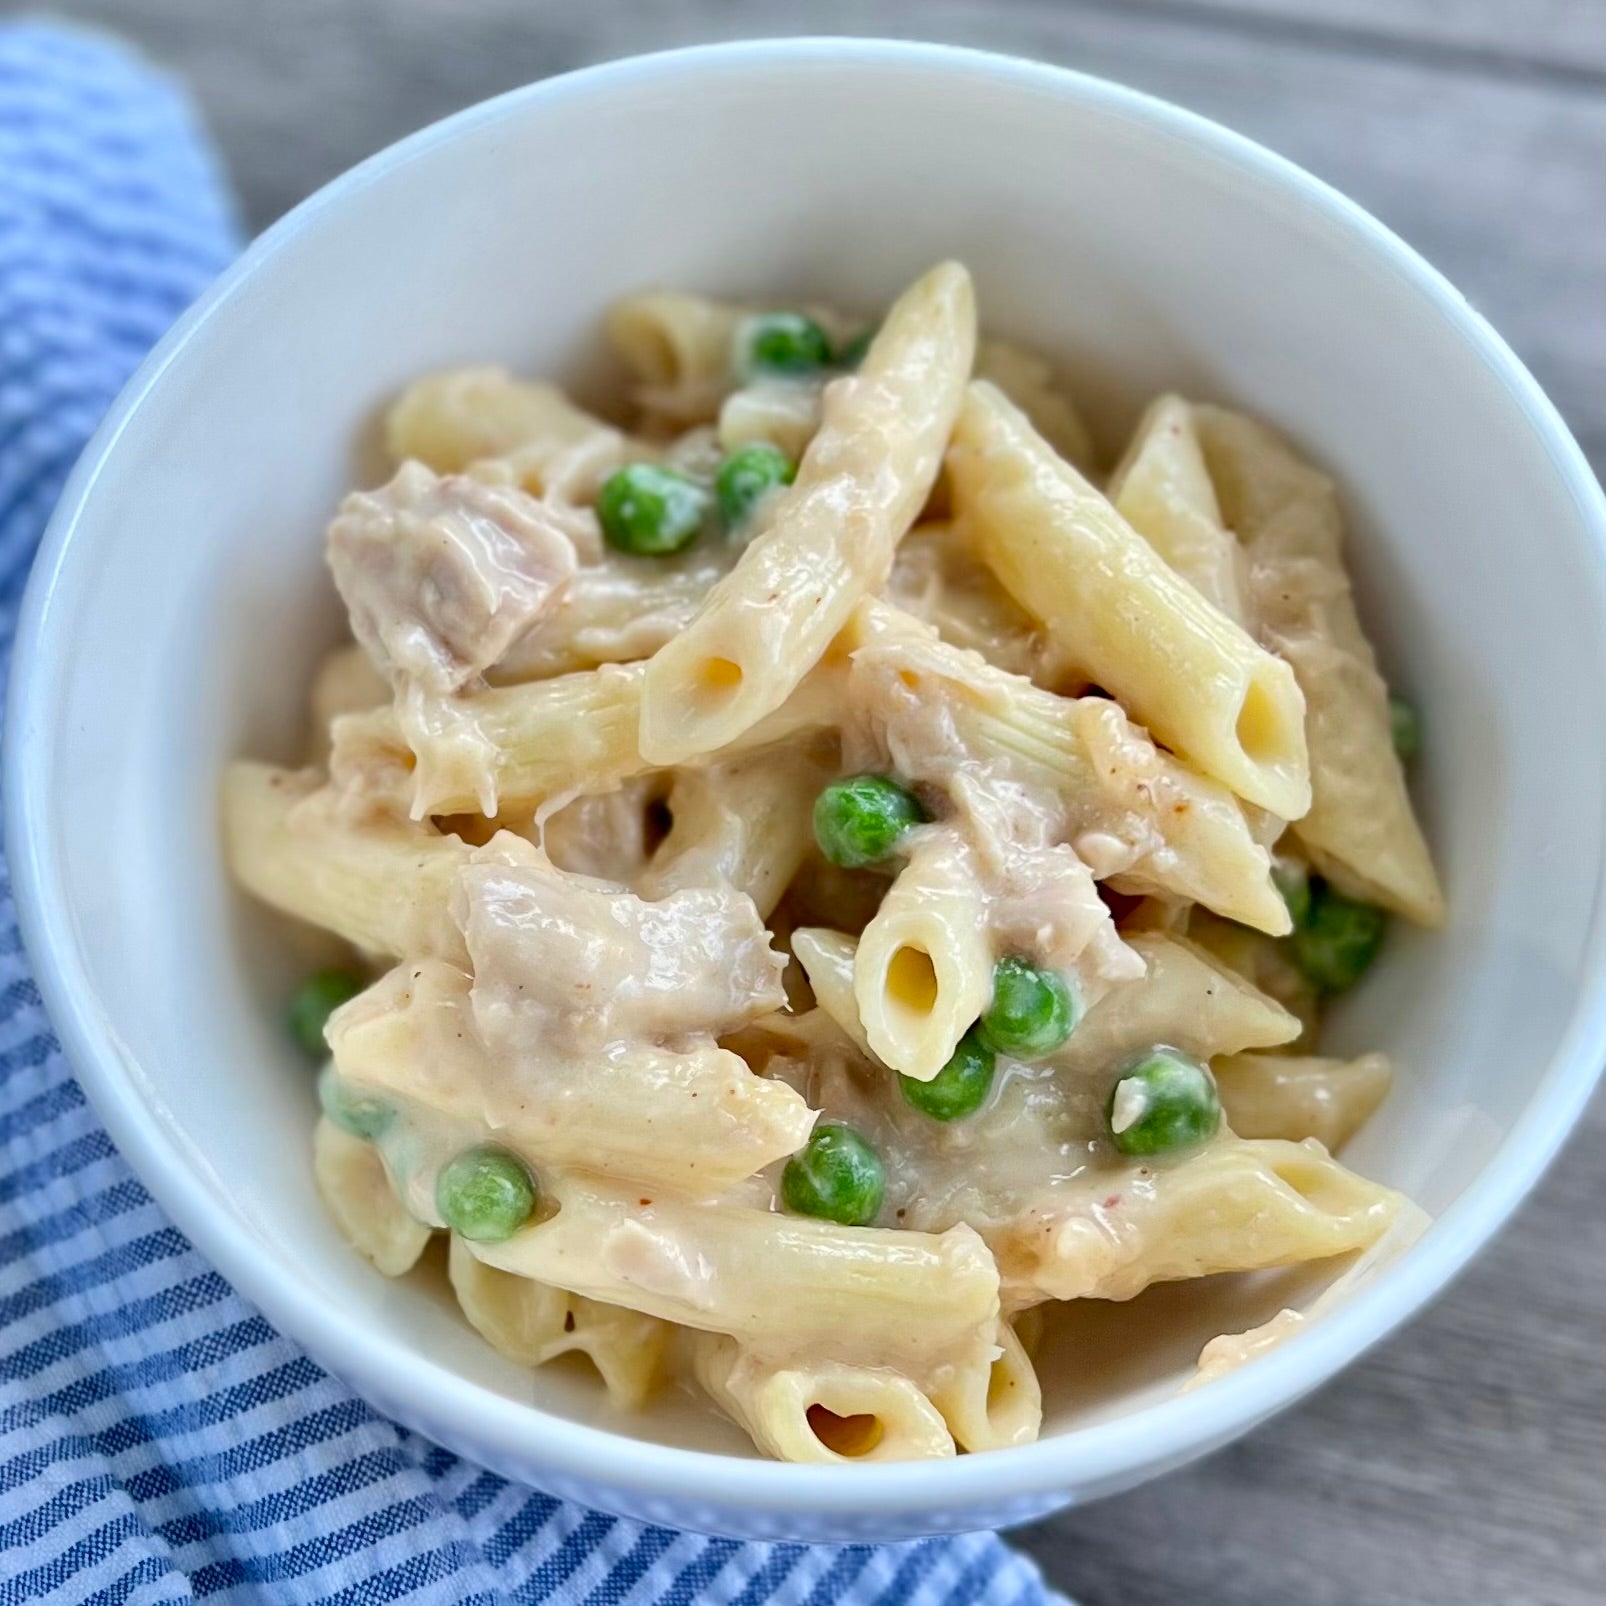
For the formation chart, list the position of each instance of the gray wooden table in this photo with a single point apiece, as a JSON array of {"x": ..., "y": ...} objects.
[{"x": 1464, "y": 1462}]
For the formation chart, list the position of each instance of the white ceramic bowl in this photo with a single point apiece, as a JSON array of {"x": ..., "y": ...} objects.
[{"x": 180, "y": 602}]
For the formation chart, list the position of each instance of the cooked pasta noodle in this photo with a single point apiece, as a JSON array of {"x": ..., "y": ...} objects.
[
  {"x": 1068, "y": 557},
  {"x": 1360, "y": 829},
  {"x": 859, "y": 487},
  {"x": 1163, "y": 490}
]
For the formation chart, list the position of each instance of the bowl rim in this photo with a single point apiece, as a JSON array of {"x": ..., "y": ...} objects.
[{"x": 1114, "y": 1452}]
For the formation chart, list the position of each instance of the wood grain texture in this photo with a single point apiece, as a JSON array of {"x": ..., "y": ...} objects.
[
  {"x": 1564, "y": 40},
  {"x": 1465, "y": 1460}
]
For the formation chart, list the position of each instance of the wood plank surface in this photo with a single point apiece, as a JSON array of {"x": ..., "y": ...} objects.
[
  {"x": 1560, "y": 39},
  {"x": 1464, "y": 1462}
]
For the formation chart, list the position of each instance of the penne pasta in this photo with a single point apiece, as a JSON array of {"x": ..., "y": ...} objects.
[
  {"x": 1163, "y": 490},
  {"x": 517, "y": 744},
  {"x": 1301, "y": 1096},
  {"x": 696, "y": 1121},
  {"x": 822, "y": 1412},
  {"x": 679, "y": 349},
  {"x": 924, "y": 966},
  {"x": 996, "y": 1406},
  {"x": 761, "y": 1278},
  {"x": 1199, "y": 683},
  {"x": 1360, "y": 830},
  {"x": 828, "y": 960},
  {"x": 744, "y": 824},
  {"x": 1236, "y": 1205},
  {"x": 1184, "y": 999},
  {"x": 520, "y": 746},
  {"x": 532, "y": 1325},
  {"x": 831, "y": 537},
  {"x": 383, "y": 885},
  {"x": 361, "y": 1202},
  {"x": 455, "y": 420}
]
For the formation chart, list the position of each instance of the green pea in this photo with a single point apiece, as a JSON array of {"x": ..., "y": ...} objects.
[
  {"x": 1405, "y": 726},
  {"x": 1032, "y": 1012},
  {"x": 1162, "y": 1103},
  {"x": 860, "y": 820},
  {"x": 960, "y": 1087},
  {"x": 835, "y": 1175},
  {"x": 748, "y": 475},
  {"x": 316, "y": 999},
  {"x": 1338, "y": 939},
  {"x": 485, "y": 1194},
  {"x": 852, "y": 354},
  {"x": 363, "y": 1115},
  {"x": 1292, "y": 880},
  {"x": 781, "y": 343},
  {"x": 649, "y": 510}
]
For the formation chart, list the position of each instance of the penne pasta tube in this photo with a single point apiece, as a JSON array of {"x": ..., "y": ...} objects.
[
  {"x": 993, "y": 1406},
  {"x": 1235, "y": 1205},
  {"x": 1186, "y": 999},
  {"x": 776, "y": 1280},
  {"x": 1228, "y": 1351},
  {"x": 531, "y": 1325},
  {"x": 520, "y": 746},
  {"x": 923, "y": 972},
  {"x": 614, "y": 612},
  {"x": 1192, "y": 676},
  {"x": 828, "y": 960},
  {"x": 679, "y": 348},
  {"x": 1163, "y": 490},
  {"x": 454, "y": 420},
  {"x": 821, "y": 1411},
  {"x": 831, "y": 536},
  {"x": 1301, "y": 1096},
  {"x": 745, "y": 823},
  {"x": 697, "y": 1121},
  {"x": 383, "y": 885},
  {"x": 356, "y": 1191},
  {"x": 1360, "y": 831}
]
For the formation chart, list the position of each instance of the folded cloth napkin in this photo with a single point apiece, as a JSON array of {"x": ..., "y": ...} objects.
[{"x": 158, "y": 1440}]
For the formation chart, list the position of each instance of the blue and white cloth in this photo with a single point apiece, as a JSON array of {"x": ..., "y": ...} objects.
[{"x": 158, "y": 1440}]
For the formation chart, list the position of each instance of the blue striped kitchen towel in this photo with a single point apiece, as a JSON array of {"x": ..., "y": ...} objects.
[{"x": 158, "y": 1440}]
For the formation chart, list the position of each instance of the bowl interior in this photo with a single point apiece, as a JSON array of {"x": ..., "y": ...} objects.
[{"x": 191, "y": 601}]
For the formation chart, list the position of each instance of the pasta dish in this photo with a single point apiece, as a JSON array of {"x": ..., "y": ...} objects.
[{"x": 826, "y": 871}]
